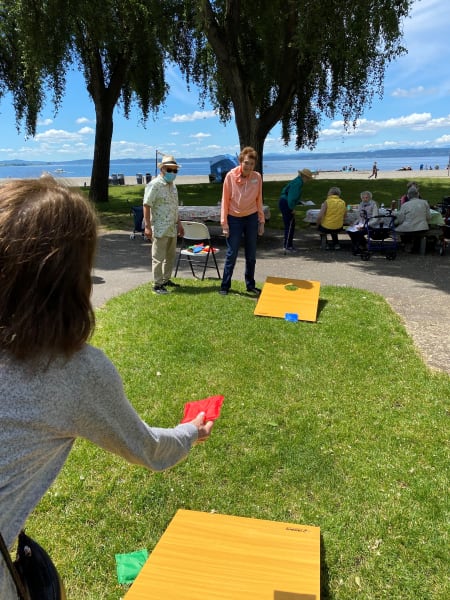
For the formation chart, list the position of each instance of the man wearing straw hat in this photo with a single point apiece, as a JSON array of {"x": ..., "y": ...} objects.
[
  {"x": 162, "y": 223},
  {"x": 290, "y": 196}
]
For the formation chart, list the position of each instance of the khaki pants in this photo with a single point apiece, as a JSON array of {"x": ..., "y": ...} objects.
[{"x": 163, "y": 258}]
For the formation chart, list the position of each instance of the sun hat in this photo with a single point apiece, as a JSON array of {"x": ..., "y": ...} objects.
[
  {"x": 168, "y": 161},
  {"x": 306, "y": 174}
]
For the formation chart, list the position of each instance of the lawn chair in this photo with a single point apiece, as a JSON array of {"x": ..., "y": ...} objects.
[{"x": 196, "y": 248}]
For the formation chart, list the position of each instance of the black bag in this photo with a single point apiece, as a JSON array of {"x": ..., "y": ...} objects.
[{"x": 33, "y": 571}]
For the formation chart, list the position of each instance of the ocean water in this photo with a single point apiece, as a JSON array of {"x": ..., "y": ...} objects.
[{"x": 200, "y": 166}]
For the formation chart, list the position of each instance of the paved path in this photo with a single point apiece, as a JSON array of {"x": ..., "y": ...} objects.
[{"x": 416, "y": 287}]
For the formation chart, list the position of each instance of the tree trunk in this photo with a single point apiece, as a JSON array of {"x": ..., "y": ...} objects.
[
  {"x": 251, "y": 137},
  {"x": 102, "y": 149},
  {"x": 251, "y": 130}
]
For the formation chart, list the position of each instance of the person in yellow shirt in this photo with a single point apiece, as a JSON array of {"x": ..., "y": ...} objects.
[{"x": 330, "y": 219}]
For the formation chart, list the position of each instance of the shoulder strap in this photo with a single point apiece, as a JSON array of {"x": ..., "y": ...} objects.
[{"x": 23, "y": 595}]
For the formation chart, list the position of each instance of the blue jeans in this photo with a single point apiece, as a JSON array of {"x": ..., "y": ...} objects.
[{"x": 238, "y": 227}]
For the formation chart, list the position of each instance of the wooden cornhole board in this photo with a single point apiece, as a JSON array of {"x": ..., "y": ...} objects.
[
  {"x": 281, "y": 296},
  {"x": 220, "y": 557}
]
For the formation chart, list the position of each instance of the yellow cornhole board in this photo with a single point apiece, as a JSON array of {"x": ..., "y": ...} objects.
[
  {"x": 221, "y": 557},
  {"x": 281, "y": 297}
]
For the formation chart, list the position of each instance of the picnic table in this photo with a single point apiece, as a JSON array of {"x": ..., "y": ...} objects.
[
  {"x": 207, "y": 213},
  {"x": 350, "y": 216}
]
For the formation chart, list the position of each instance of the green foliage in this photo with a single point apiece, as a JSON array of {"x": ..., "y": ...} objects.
[
  {"x": 24, "y": 65},
  {"x": 337, "y": 424},
  {"x": 120, "y": 45},
  {"x": 325, "y": 57}
]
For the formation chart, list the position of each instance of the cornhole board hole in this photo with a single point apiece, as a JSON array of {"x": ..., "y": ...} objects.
[
  {"x": 291, "y": 299},
  {"x": 219, "y": 557}
]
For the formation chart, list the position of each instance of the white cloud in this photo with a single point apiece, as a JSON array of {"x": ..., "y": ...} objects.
[
  {"x": 44, "y": 122},
  {"x": 416, "y": 121},
  {"x": 86, "y": 131},
  {"x": 55, "y": 136},
  {"x": 411, "y": 93},
  {"x": 404, "y": 121},
  {"x": 82, "y": 120},
  {"x": 435, "y": 123},
  {"x": 444, "y": 139},
  {"x": 195, "y": 116},
  {"x": 200, "y": 135}
]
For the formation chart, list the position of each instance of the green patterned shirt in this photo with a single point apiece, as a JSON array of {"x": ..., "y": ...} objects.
[{"x": 162, "y": 197}]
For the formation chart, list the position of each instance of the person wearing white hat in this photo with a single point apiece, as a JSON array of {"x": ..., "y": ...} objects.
[
  {"x": 162, "y": 223},
  {"x": 291, "y": 195}
]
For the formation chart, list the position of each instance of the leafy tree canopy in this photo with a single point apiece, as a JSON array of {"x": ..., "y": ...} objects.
[
  {"x": 119, "y": 45},
  {"x": 292, "y": 61}
]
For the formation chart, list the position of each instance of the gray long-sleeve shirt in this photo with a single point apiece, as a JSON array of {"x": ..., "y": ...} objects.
[{"x": 44, "y": 408}]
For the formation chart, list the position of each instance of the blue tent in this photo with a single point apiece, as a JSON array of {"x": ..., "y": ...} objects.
[{"x": 220, "y": 165}]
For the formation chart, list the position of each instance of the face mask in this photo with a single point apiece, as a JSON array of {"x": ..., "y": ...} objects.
[{"x": 169, "y": 177}]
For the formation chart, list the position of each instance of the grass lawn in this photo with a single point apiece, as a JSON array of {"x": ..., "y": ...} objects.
[
  {"x": 115, "y": 214},
  {"x": 337, "y": 424}
]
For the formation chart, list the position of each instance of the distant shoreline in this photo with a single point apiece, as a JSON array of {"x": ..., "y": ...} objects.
[
  {"x": 328, "y": 175},
  {"x": 323, "y": 175}
]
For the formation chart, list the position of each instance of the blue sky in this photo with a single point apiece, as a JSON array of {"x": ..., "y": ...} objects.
[{"x": 413, "y": 113}]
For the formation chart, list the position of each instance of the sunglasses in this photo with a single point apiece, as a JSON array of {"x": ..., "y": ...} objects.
[{"x": 170, "y": 170}]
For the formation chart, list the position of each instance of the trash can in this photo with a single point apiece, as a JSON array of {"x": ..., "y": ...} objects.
[
  {"x": 148, "y": 178},
  {"x": 121, "y": 179},
  {"x": 139, "y": 178}
]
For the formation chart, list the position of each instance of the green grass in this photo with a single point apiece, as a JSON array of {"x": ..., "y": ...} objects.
[
  {"x": 115, "y": 214},
  {"x": 337, "y": 424}
]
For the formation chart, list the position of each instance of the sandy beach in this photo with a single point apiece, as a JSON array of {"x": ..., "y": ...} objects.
[
  {"x": 332, "y": 175},
  {"x": 328, "y": 175}
]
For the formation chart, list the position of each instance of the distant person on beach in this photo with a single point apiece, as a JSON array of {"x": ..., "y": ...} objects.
[
  {"x": 374, "y": 173},
  {"x": 242, "y": 215},
  {"x": 330, "y": 219},
  {"x": 162, "y": 223},
  {"x": 55, "y": 387},
  {"x": 290, "y": 197},
  {"x": 367, "y": 209}
]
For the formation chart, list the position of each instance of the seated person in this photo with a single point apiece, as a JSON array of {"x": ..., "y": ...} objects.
[
  {"x": 331, "y": 218},
  {"x": 367, "y": 209},
  {"x": 413, "y": 219}
]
